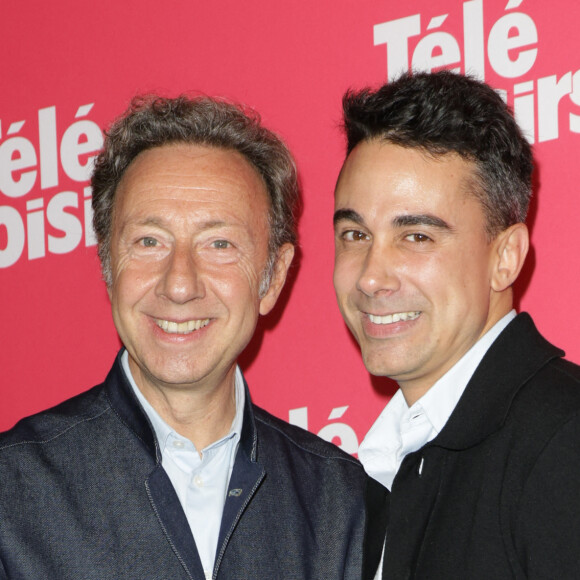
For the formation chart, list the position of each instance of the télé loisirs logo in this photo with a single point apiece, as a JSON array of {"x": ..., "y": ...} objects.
[
  {"x": 37, "y": 218},
  {"x": 510, "y": 47}
]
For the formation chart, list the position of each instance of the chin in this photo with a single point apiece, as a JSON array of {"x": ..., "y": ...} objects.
[
  {"x": 374, "y": 367},
  {"x": 380, "y": 364}
]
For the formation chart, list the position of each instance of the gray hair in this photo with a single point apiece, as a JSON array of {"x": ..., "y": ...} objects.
[{"x": 152, "y": 121}]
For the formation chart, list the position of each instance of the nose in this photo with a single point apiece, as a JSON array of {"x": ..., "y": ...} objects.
[
  {"x": 379, "y": 272},
  {"x": 182, "y": 279}
]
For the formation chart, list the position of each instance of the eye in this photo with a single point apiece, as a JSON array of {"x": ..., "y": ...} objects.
[
  {"x": 354, "y": 236},
  {"x": 221, "y": 244},
  {"x": 148, "y": 242},
  {"x": 418, "y": 238}
]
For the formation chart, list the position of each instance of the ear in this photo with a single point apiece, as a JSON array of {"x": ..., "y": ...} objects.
[
  {"x": 511, "y": 249},
  {"x": 283, "y": 261}
]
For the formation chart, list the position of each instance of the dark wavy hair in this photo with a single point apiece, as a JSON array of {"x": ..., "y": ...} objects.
[
  {"x": 152, "y": 121},
  {"x": 443, "y": 113}
]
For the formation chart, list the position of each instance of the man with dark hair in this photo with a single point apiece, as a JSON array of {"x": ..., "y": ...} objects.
[
  {"x": 480, "y": 446},
  {"x": 167, "y": 470}
]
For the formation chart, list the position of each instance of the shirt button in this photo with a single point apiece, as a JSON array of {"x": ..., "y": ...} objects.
[
  {"x": 178, "y": 444},
  {"x": 198, "y": 481}
]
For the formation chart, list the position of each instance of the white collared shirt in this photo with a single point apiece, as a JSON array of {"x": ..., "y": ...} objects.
[
  {"x": 400, "y": 429},
  {"x": 201, "y": 483}
]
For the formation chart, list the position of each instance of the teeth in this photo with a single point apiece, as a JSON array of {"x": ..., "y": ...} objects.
[
  {"x": 181, "y": 327},
  {"x": 390, "y": 318}
]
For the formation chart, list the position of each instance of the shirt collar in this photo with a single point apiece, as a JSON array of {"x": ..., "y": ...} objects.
[
  {"x": 440, "y": 400},
  {"x": 393, "y": 434},
  {"x": 163, "y": 431}
]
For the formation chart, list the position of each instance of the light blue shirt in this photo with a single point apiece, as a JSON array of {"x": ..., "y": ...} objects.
[{"x": 201, "y": 483}]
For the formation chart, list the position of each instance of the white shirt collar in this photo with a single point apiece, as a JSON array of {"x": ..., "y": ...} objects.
[
  {"x": 440, "y": 400},
  {"x": 400, "y": 430},
  {"x": 163, "y": 431}
]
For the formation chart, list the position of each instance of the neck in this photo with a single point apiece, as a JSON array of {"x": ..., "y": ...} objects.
[
  {"x": 414, "y": 388},
  {"x": 412, "y": 393},
  {"x": 202, "y": 414}
]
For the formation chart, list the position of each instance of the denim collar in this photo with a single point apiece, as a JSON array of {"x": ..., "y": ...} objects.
[{"x": 126, "y": 406}]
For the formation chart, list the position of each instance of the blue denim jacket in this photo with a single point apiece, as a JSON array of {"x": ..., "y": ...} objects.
[{"x": 83, "y": 496}]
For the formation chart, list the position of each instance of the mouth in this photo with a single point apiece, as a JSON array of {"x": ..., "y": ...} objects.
[
  {"x": 392, "y": 318},
  {"x": 187, "y": 327}
]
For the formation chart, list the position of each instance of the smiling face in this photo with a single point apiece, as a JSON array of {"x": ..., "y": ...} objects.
[
  {"x": 415, "y": 273},
  {"x": 188, "y": 250}
]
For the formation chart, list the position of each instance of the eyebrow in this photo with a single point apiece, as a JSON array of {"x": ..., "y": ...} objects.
[
  {"x": 347, "y": 215},
  {"x": 398, "y": 222},
  {"x": 161, "y": 223},
  {"x": 426, "y": 219}
]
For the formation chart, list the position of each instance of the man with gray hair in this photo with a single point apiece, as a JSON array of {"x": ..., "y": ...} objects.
[{"x": 167, "y": 469}]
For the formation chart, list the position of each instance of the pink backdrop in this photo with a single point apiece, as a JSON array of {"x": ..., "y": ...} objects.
[{"x": 69, "y": 67}]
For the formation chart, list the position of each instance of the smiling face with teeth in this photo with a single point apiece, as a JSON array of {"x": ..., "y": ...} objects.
[
  {"x": 189, "y": 249},
  {"x": 417, "y": 279}
]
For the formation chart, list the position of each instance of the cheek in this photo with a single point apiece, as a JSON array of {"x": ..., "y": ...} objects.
[
  {"x": 130, "y": 281},
  {"x": 235, "y": 281},
  {"x": 461, "y": 287},
  {"x": 346, "y": 272}
]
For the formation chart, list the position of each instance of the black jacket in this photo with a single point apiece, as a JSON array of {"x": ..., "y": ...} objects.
[{"x": 497, "y": 493}]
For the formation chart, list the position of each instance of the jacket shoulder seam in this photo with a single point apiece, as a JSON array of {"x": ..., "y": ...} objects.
[
  {"x": 57, "y": 435},
  {"x": 331, "y": 456}
]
